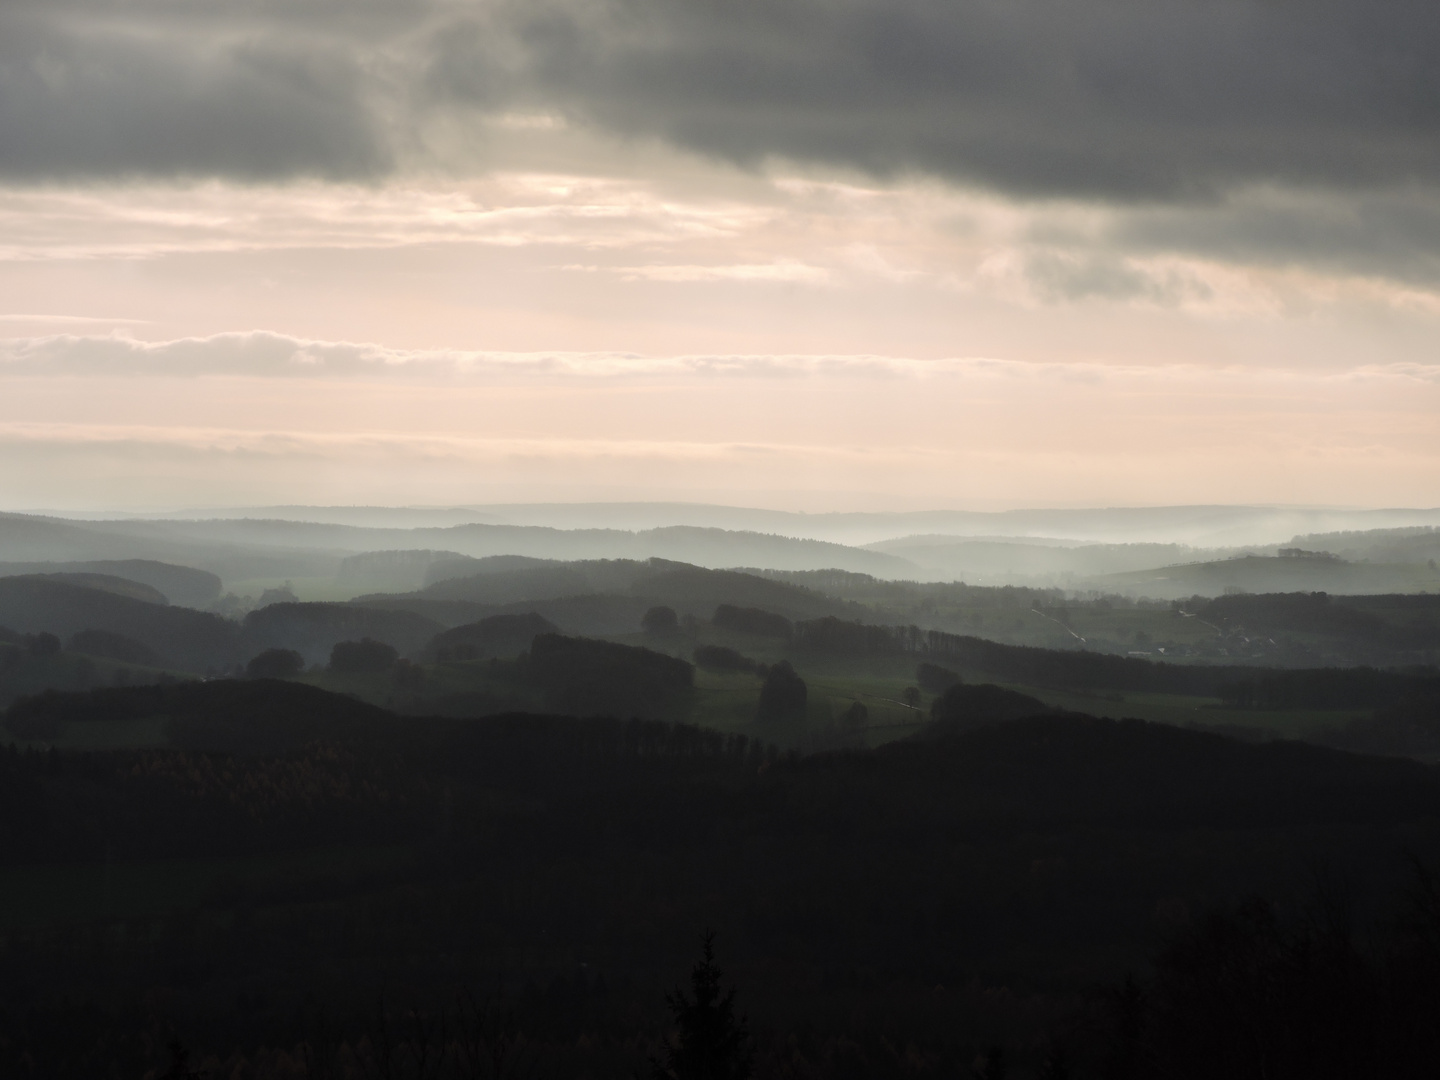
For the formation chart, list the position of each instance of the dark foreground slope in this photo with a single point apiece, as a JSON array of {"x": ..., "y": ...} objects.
[{"x": 291, "y": 854}]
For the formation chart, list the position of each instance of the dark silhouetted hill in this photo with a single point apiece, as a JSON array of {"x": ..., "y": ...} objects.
[
  {"x": 114, "y": 646},
  {"x": 1414, "y": 545},
  {"x": 191, "y": 640},
  {"x": 313, "y": 629},
  {"x": 930, "y": 897},
  {"x": 964, "y": 707},
  {"x": 587, "y": 677},
  {"x": 504, "y": 636},
  {"x": 395, "y": 571},
  {"x": 723, "y": 658},
  {"x": 1308, "y": 572},
  {"x": 752, "y": 620},
  {"x": 111, "y": 584},
  {"x": 497, "y": 587},
  {"x": 233, "y": 553},
  {"x": 602, "y": 597},
  {"x": 692, "y": 590},
  {"x": 1397, "y": 623},
  {"x": 249, "y": 716},
  {"x": 178, "y": 584}
]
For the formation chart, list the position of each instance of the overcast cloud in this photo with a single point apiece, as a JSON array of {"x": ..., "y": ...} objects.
[
  {"x": 108, "y": 90},
  {"x": 264, "y": 355},
  {"x": 1108, "y": 99},
  {"x": 1113, "y": 250}
]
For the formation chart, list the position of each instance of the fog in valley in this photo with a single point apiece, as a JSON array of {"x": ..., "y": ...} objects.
[{"x": 1158, "y": 553}]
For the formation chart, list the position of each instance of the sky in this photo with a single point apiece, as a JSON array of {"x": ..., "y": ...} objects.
[{"x": 804, "y": 254}]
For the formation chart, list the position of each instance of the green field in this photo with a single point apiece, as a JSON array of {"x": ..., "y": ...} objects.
[{"x": 728, "y": 702}]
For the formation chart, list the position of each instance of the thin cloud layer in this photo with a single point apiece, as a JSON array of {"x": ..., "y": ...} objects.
[
  {"x": 265, "y": 355},
  {"x": 232, "y": 416}
]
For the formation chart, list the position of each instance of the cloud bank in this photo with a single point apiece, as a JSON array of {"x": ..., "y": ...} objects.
[
  {"x": 1253, "y": 132},
  {"x": 225, "y": 419},
  {"x": 1017, "y": 250},
  {"x": 161, "y": 89},
  {"x": 1107, "y": 99},
  {"x": 265, "y": 355}
]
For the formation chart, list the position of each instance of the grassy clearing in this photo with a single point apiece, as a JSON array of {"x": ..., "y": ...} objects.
[
  {"x": 1185, "y": 711},
  {"x": 728, "y": 701}
]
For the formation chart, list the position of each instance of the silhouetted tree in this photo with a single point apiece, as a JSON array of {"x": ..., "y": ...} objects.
[
  {"x": 363, "y": 655},
  {"x": 42, "y": 644},
  {"x": 722, "y": 658},
  {"x": 660, "y": 620},
  {"x": 964, "y": 707},
  {"x": 409, "y": 675},
  {"x": 180, "y": 1063},
  {"x": 784, "y": 694},
  {"x": 282, "y": 594},
  {"x": 275, "y": 664},
  {"x": 747, "y": 620},
  {"x": 991, "y": 1065},
  {"x": 934, "y": 679},
  {"x": 711, "y": 1042},
  {"x": 114, "y": 647}
]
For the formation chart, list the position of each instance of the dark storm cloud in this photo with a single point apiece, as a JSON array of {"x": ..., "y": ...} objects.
[
  {"x": 119, "y": 89},
  {"x": 1394, "y": 234},
  {"x": 1129, "y": 101},
  {"x": 1116, "y": 99}
]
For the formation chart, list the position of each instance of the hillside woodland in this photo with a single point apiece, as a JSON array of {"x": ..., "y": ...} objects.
[
  {"x": 290, "y": 872},
  {"x": 614, "y": 817}
]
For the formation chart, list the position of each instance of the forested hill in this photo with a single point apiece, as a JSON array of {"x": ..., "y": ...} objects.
[
  {"x": 287, "y": 846},
  {"x": 1052, "y": 769},
  {"x": 192, "y": 640}
]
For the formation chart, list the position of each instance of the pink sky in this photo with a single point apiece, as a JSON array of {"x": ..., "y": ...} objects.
[{"x": 532, "y": 302}]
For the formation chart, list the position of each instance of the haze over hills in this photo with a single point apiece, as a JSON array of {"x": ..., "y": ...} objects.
[
  {"x": 1201, "y": 526},
  {"x": 471, "y": 704},
  {"x": 1160, "y": 552}
]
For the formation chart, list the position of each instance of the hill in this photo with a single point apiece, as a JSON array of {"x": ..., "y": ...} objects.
[
  {"x": 229, "y": 555},
  {"x": 1303, "y": 572},
  {"x": 177, "y": 584},
  {"x": 261, "y": 716},
  {"x": 691, "y": 590},
  {"x": 599, "y": 597},
  {"x": 395, "y": 571},
  {"x": 1415, "y": 545},
  {"x": 190, "y": 640},
  {"x": 117, "y": 585},
  {"x": 249, "y": 548},
  {"x": 313, "y": 629},
  {"x": 940, "y": 895},
  {"x": 505, "y": 636},
  {"x": 1029, "y": 561}
]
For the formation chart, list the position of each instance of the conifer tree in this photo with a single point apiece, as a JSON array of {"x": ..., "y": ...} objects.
[{"x": 711, "y": 1043}]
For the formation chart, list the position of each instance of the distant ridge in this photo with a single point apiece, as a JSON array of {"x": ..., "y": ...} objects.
[{"x": 1217, "y": 525}]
